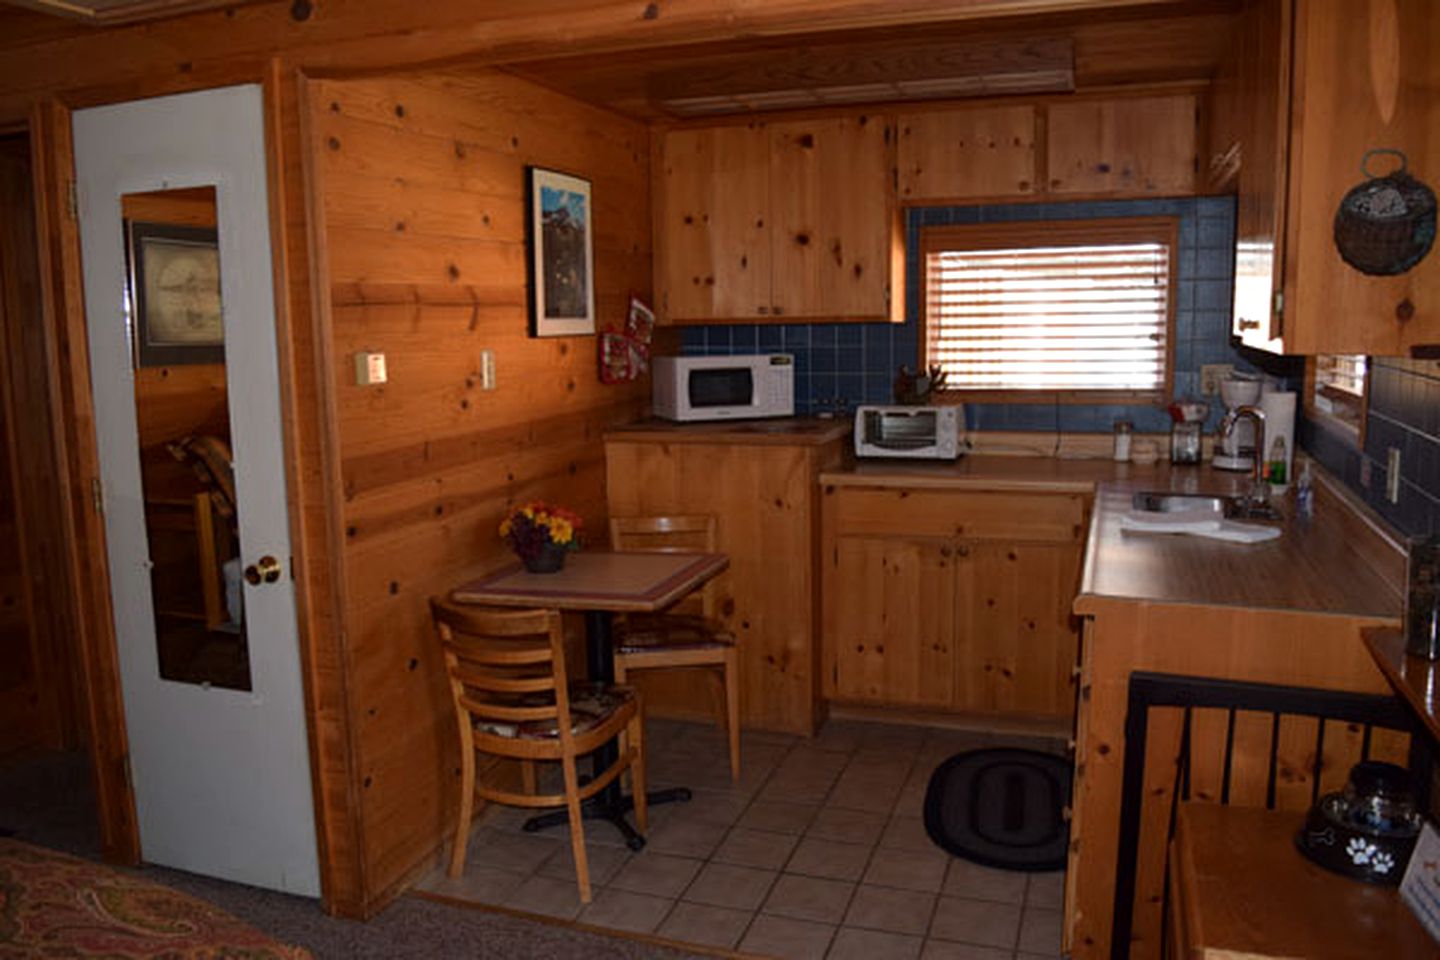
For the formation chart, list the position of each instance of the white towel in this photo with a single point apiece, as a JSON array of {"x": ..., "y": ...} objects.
[
  {"x": 1198, "y": 523},
  {"x": 1177, "y": 521}
]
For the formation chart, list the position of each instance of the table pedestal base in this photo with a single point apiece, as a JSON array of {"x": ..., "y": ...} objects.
[{"x": 613, "y": 811}]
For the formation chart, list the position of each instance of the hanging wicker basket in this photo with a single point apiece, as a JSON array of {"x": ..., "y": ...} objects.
[{"x": 1386, "y": 225}]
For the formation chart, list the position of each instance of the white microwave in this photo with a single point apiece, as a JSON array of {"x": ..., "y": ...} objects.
[
  {"x": 920, "y": 433},
  {"x": 723, "y": 388}
]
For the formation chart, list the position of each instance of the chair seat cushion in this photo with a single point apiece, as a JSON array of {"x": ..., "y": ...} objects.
[
  {"x": 670, "y": 632},
  {"x": 591, "y": 704}
]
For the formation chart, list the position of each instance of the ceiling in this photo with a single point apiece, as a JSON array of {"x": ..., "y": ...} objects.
[
  {"x": 1053, "y": 53},
  {"x": 121, "y": 11},
  {"x": 1155, "y": 42}
]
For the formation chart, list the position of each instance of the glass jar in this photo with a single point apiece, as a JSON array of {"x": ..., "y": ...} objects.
[
  {"x": 1381, "y": 798},
  {"x": 1123, "y": 430},
  {"x": 1185, "y": 442}
]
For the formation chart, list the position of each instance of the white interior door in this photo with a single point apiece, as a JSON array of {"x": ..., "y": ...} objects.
[{"x": 221, "y": 776}]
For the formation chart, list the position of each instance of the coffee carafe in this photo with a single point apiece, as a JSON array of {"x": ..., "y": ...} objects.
[{"x": 1236, "y": 449}]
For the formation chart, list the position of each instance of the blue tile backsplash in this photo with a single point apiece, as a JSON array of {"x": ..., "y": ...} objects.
[
  {"x": 1404, "y": 413},
  {"x": 856, "y": 362}
]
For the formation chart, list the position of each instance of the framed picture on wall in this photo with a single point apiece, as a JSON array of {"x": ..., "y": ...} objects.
[
  {"x": 562, "y": 254},
  {"x": 175, "y": 294}
]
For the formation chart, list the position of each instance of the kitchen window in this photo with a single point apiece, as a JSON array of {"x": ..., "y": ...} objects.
[
  {"x": 1069, "y": 312},
  {"x": 1336, "y": 392}
]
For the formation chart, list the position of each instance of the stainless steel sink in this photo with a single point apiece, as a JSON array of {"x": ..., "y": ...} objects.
[
  {"x": 1159, "y": 502},
  {"x": 1233, "y": 508}
]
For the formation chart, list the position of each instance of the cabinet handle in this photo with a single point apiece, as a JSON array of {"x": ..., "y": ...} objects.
[
  {"x": 762, "y": 310},
  {"x": 963, "y": 551},
  {"x": 945, "y": 551},
  {"x": 1249, "y": 324},
  {"x": 1404, "y": 311},
  {"x": 777, "y": 310}
]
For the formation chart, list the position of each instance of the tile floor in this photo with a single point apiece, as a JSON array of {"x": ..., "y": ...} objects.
[{"x": 818, "y": 852}]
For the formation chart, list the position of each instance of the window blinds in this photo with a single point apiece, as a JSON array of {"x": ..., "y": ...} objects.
[{"x": 1073, "y": 317}]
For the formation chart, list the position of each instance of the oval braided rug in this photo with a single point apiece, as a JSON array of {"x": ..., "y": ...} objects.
[{"x": 1002, "y": 807}]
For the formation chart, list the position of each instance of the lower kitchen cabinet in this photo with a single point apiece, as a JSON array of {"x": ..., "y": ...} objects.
[
  {"x": 954, "y": 601},
  {"x": 889, "y": 620}
]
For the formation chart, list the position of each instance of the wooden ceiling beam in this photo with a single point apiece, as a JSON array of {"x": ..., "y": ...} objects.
[{"x": 340, "y": 36}]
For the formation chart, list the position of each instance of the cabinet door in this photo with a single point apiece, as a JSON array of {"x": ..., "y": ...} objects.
[
  {"x": 714, "y": 199},
  {"x": 831, "y": 205},
  {"x": 974, "y": 154},
  {"x": 1263, "y": 49},
  {"x": 1367, "y": 76},
  {"x": 1015, "y": 648},
  {"x": 1133, "y": 146},
  {"x": 889, "y": 618}
]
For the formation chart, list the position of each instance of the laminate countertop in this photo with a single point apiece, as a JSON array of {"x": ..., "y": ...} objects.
[
  {"x": 1336, "y": 561},
  {"x": 787, "y": 431}
]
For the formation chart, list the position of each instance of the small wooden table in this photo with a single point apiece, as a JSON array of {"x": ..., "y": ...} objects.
[
  {"x": 1242, "y": 891},
  {"x": 600, "y": 583}
]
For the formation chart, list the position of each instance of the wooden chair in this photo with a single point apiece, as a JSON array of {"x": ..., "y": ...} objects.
[
  {"x": 688, "y": 635},
  {"x": 511, "y": 697}
]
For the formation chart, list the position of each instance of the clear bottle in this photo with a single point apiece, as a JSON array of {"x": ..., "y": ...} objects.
[{"x": 1305, "y": 492}]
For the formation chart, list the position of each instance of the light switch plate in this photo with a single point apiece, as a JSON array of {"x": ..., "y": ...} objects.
[
  {"x": 487, "y": 369},
  {"x": 369, "y": 369}
]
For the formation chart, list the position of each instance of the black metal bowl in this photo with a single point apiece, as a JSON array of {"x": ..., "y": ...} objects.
[{"x": 1342, "y": 847}]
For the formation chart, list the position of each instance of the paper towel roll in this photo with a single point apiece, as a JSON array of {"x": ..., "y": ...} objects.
[{"x": 1279, "y": 409}]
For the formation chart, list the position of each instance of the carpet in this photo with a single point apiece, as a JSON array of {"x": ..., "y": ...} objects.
[
  {"x": 55, "y": 905},
  {"x": 1002, "y": 807}
]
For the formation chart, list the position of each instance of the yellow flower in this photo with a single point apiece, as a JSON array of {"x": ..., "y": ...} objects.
[
  {"x": 528, "y": 511},
  {"x": 505, "y": 527},
  {"x": 561, "y": 531}
]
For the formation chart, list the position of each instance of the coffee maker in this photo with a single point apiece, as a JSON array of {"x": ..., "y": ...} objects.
[{"x": 1236, "y": 450}]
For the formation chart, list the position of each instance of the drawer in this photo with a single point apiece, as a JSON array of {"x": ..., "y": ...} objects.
[{"x": 1010, "y": 516}]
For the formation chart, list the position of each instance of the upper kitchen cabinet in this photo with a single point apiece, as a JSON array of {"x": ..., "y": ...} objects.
[
  {"x": 1132, "y": 146},
  {"x": 776, "y": 221},
  {"x": 1312, "y": 87},
  {"x": 1076, "y": 148},
  {"x": 965, "y": 155}
]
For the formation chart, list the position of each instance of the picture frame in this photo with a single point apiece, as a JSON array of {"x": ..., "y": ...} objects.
[
  {"x": 561, "y": 238},
  {"x": 175, "y": 294}
]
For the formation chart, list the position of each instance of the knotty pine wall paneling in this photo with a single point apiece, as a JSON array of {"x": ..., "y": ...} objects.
[{"x": 420, "y": 185}]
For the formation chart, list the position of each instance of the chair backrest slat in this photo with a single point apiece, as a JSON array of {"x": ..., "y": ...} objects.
[
  {"x": 485, "y": 710},
  {"x": 498, "y": 683},
  {"x": 504, "y": 666}
]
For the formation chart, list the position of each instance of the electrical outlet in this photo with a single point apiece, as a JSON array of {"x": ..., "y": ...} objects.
[
  {"x": 487, "y": 369},
  {"x": 1210, "y": 376},
  {"x": 1392, "y": 476}
]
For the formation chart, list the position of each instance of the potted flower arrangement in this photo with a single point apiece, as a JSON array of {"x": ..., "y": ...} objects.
[{"x": 541, "y": 534}]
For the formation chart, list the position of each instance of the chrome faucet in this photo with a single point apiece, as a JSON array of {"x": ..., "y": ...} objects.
[{"x": 1259, "y": 489}]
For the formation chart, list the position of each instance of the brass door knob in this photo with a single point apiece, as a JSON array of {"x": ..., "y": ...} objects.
[{"x": 266, "y": 570}]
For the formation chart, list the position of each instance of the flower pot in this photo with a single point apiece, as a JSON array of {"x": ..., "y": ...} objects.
[{"x": 550, "y": 559}]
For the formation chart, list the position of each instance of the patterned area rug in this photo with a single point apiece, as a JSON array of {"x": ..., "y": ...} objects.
[{"x": 54, "y": 905}]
